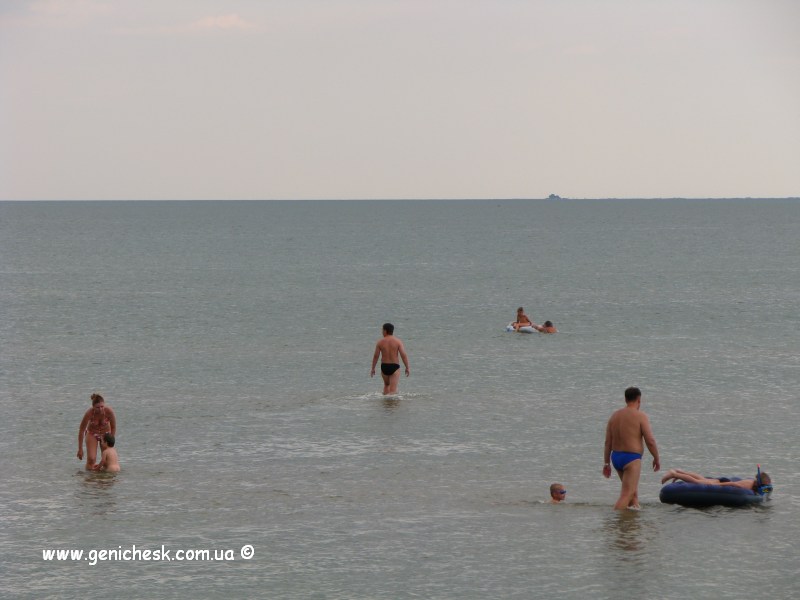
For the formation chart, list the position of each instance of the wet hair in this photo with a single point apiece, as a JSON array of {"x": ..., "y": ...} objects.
[
  {"x": 554, "y": 487},
  {"x": 632, "y": 394},
  {"x": 109, "y": 439},
  {"x": 548, "y": 323},
  {"x": 388, "y": 328},
  {"x": 97, "y": 399},
  {"x": 765, "y": 478},
  {"x": 520, "y": 309}
]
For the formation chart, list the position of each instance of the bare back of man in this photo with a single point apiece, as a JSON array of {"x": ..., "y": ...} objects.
[
  {"x": 627, "y": 431},
  {"x": 110, "y": 461},
  {"x": 390, "y": 350}
]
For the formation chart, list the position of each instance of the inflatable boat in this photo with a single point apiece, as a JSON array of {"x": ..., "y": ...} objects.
[
  {"x": 526, "y": 329},
  {"x": 700, "y": 495}
]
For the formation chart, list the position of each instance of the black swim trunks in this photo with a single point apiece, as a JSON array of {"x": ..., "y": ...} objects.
[{"x": 388, "y": 369}]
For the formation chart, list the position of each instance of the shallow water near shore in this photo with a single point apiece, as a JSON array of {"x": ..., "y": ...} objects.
[{"x": 233, "y": 340}]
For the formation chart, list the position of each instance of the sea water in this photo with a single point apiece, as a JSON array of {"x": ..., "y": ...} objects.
[{"x": 233, "y": 341}]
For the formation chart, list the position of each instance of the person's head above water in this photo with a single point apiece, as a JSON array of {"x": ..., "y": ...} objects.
[
  {"x": 558, "y": 492},
  {"x": 109, "y": 440},
  {"x": 388, "y": 328},
  {"x": 762, "y": 483}
]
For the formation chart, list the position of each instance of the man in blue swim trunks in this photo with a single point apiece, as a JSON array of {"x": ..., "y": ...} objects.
[
  {"x": 625, "y": 431},
  {"x": 388, "y": 349}
]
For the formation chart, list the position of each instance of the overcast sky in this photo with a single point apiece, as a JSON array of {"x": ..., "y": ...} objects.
[{"x": 292, "y": 99}]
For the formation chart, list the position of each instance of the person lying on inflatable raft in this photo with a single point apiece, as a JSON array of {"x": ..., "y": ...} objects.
[{"x": 761, "y": 484}]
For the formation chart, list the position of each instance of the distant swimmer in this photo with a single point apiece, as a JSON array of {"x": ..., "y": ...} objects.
[
  {"x": 98, "y": 420},
  {"x": 548, "y": 327},
  {"x": 623, "y": 447},
  {"x": 522, "y": 320},
  {"x": 760, "y": 484},
  {"x": 388, "y": 349},
  {"x": 558, "y": 493},
  {"x": 109, "y": 461}
]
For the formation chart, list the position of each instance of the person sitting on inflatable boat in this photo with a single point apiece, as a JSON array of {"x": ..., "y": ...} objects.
[
  {"x": 523, "y": 320},
  {"x": 761, "y": 484}
]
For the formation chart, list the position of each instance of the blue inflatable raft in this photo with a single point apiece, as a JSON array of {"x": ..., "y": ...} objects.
[{"x": 700, "y": 495}]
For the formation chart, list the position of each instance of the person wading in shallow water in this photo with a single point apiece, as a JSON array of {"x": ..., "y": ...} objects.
[
  {"x": 97, "y": 421},
  {"x": 625, "y": 431},
  {"x": 109, "y": 461},
  {"x": 388, "y": 349}
]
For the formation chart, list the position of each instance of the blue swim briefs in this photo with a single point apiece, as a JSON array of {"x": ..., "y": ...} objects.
[{"x": 620, "y": 459}]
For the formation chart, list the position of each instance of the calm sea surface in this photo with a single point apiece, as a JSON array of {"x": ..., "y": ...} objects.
[{"x": 234, "y": 341}]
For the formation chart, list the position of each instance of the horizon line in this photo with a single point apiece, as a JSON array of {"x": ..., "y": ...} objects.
[{"x": 551, "y": 198}]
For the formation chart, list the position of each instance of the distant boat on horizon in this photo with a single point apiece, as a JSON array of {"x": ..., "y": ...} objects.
[{"x": 554, "y": 197}]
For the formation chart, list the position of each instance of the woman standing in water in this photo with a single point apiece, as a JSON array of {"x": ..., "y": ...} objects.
[{"x": 98, "y": 420}]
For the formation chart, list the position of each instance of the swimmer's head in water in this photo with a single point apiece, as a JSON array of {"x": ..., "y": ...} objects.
[
  {"x": 109, "y": 439},
  {"x": 548, "y": 323},
  {"x": 763, "y": 483}
]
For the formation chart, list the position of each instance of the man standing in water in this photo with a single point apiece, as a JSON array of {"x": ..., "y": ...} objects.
[
  {"x": 625, "y": 431},
  {"x": 388, "y": 348}
]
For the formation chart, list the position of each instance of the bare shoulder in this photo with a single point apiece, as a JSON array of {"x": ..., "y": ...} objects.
[
  {"x": 644, "y": 425},
  {"x": 617, "y": 414}
]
